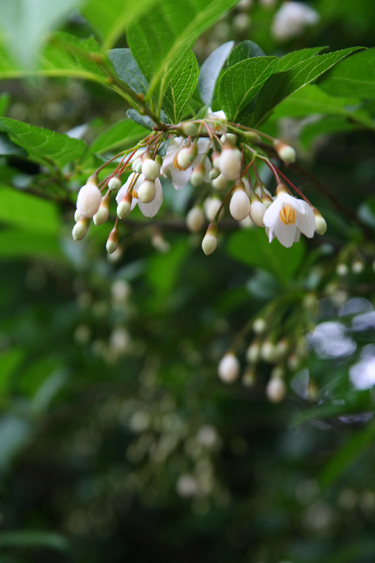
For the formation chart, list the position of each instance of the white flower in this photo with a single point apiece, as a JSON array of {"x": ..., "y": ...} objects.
[
  {"x": 88, "y": 200},
  {"x": 288, "y": 217},
  {"x": 291, "y": 19},
  {"x": 229, "y": 368},
  {"x": 148, "y": 209},
  {"x": 181, "y": 177}
]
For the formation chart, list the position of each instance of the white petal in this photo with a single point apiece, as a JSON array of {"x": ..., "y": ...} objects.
[
  {"x": 306, "y": 223},
  {"x": 203, "y": 145},
  {"x": 125, "y": 187},
  {"x": 285, "y": 233},
  {"x": 180, "y": 177},
  {"x": 298, "y": 235},
  {"x": 271, "y": 215}
]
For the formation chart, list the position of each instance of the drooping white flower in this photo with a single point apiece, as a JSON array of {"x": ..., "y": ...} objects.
[
  {"x": 180, "y": 177},
  {"x": 291, "y": 19},
  {"x": 288, "y": 217},
  {"x": 88, "y": 200},
  {"x": 148, "y": 209}
]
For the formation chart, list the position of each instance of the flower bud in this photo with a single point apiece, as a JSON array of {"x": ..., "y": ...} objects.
[
  {"x": 275, "y": 390},
  {"x": 281, "y": 189},
  {"x": 230, "y": 138},
  {"x": 195, "y": 219},
  {"x": 251, "y": 136},
  {"x": 229, "y": 368},
  {"x": 211, "y": 207},
  {"x": 215, "y": 159},
  {"x": 89, "y": 198},
  {"x": 137, "y": 165},
  {"x": 239, "y": 206},
  {"x": 150, "y": 169},
  {"x": 266, "y": 200},
  {"x": 267, "y": 351},
  {"x": 259, "y": 326},
  {"x": 257, "y": 211},
  {"x": 112, "y": 241},
  {"x": 186, "y": 156},
  {"x": 230, "y": 162},
  {"x": 114, "y": 184},
  {"x": 253, "y": 353},
  {"x": 197, "y": 176},
  {"x": 248, "y": 378},
  {"x": 124, "y": 207},
  {"x": 102, "y": 214},
  {"x": 80, "y": 229},
  {"x": 320, "y": 222},
  {"x": 214, "y": 173},
  {"x": 281, "y": 348},
  {"x": 209, "y": 242},
  {"x": 77, "y": 216},
  {"x": 293, "y": 362},
  {"x": 189, "y": 129},
  {"x": 147, "y": 191},
  {"x": 357, "y": 267},
  {"x": 220, "y": 183},
  {"x": 342, "y": 269},
  {"x": 285, "y": 152}
]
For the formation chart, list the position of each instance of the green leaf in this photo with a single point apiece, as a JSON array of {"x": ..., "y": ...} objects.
[
  {"x": 347, "y": 455},
  {"x": 241, "y": 82},
  {"x": 26, "y": 22},
  {"x": 31, "y": 538},
  {"x": 124, "y": 133},
  {"x": 180, "y": 89},
  {"x": 42, "y": 144},
  {"x": 8, "y": 363},
  {"x": 4, "y": 103},
  {"x": 245, "y": 50},
  {"x": 210, "y": 71},
  {"x": 312, "y": 100},
  {"x": 325, "y": 126},
  {"x": 15, "y": 243},
  {"x": 251, "y": 247},
  {"x": 28, "y": 212},
  {"x": 9, "y": 148},
  {"x": 65, "y": 55},
  {"x": 295, "y": 57},
  {"x": 283, "y": 84},
  {"x": 109, "y": 18},
  {"x": 127, "y": 70},
  {"x": 142, "y": 120},
  {"x": 353, "y": 77},
  {"x": 161, "y": 40}
]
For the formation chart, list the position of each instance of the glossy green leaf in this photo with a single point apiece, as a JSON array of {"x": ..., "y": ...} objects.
[
  {"x": 25, "y": 24},
  {"x": 295, "y": 57},
  {"x": 283, "y": 84},
  {"x": 162, "y": 38},
  {"x": 142, "y": 120},
  {"x": 210, "y": 71},
  {"x": 127, "y": 69},
  {"x": 42, "y": 144},
  {"x": 353, "y": 77},
  {"x": 241, "y": 82},
  {"x": 251, "y": 247},
  {"x": 28, "y": 212},
  {"x": 109, "y": 18},
  {"x": 7, "y": 147},
  {"x": 124, "y": 133},
  {"x": 245, "y": 50},
  {"x": 181, "y": 89}
]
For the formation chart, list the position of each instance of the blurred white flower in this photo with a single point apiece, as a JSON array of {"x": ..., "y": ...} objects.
[{"x": 291, "y": 19}]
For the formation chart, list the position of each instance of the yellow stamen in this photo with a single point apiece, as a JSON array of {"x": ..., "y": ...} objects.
[
  {"x": 176, "y": 166},
  {"x": 288, "y": 214}
]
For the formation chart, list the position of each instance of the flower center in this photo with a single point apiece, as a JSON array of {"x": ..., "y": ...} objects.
[{"x": 288, "y": 214}]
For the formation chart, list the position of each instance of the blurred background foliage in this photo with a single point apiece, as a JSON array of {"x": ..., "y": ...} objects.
[{"x": 117, "y": 439}]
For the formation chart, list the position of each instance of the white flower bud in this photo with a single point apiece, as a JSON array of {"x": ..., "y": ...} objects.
[
  {"x": 211, "y": 207},
  {"x": 284, "y": 151},
  {"x": 220, "y": 183},
  {"x": 357, "y": 267},
  {"x": 114, "y": 184},
  {"x": 147, "y": 191},
  {"x": 112, "y": 241},
  {"x": 229, "y": 137},
  {"x": 209, "y": 242},
  {"x": 239, "y": 206},
  {"x": 214, "y": 173},
  {"x": 124, "y": 207},
  {"x": 275, "y": 390},
  {"x": 342, "y": 269},
  {"x": 229, "y": 368},
  {"x": 150, "y": 169},
  {"x": 320, "y": 222},
  {"x": 293, "y": 362},
  {"x": 186, "y": 156},
  {"x": 197, "y": 176},
  {"x": 195, "y": 219},
  {"x": 253, "y": 353},
  {"x": 257, "y": 211},
  {"x": 230, "y": 162},
  {"x": 137, "y": 165},
  {"x": 80, "y": 228},
  {"x": 189, "y": 129},
  {"x": 266, "y": 200},
  {"x": 267, "y": 351},
  {"x": 102, "y": 214},
  {"x": 88, "y": 200},
  {"x": 259, "y": 326}
]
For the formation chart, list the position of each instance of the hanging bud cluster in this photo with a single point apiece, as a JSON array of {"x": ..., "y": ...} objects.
[{"x": 220, "y": 161}]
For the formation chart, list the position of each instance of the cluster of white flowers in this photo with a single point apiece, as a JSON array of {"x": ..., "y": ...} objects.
[
  {"x": 216, "y": 161},
  {"x": 291, "y": 20}
]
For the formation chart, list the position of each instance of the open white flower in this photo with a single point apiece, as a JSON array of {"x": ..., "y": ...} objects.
[
  {"x": 181, "y": 177},
  {"x": 148, "y": 209},
  {"x": 291, "y": 19},
  {"x": 288, "y": 217}
]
